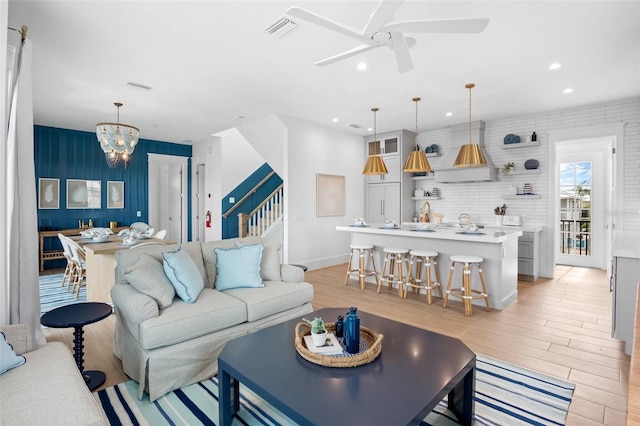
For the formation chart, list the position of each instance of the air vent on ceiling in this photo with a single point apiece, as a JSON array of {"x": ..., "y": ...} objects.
[
  {"x": 355, "y": 126},
  {"x": 138, "y": 86},
  {"x": 280, "y": 27}
]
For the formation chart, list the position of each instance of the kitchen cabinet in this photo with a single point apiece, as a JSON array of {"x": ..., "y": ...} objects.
[
  {"x": 392, "y": 162},
  {"x": 383, "y": 202},
  {"x": 624, "y": 281},
  {"x": 391, "y": 193},
  {"x": 528, "y": 256}
]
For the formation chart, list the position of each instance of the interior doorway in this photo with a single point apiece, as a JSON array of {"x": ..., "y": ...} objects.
[{"x": 167, "y": 195}]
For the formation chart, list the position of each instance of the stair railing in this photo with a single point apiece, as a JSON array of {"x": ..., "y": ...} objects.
[
  {"x": 247, "y": 195},
  {"x": 263, "y": 217}
]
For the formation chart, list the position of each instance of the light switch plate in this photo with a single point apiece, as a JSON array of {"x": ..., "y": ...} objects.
[
  {"x": 139, "y": 213},
  {"x": 232, "y": 200}
]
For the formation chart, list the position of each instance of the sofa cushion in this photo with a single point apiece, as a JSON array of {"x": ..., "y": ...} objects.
[
  {"x": 183, "y": 274},
  {"x": 239, "y": 267},
  {"x": 8, "y": 358},
  {"x": 48, "y": 390},
  {"x": 270, "y": 264},
  {"x": 148, "y": 277},
  {"x": 212, "y": 311},
  {"x": 210, "y": 258},
  {"x": 273, "y": 298}
]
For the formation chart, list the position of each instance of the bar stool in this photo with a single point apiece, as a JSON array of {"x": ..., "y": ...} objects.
[
  {"x": 393, "y": 257},
  {"x": 423, "y": 259},
  {"x": 466, "y": 292},
  {"x": 363, "y": 250}
]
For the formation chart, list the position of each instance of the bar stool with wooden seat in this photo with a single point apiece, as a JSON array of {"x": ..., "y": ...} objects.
[
  {"x": 393, "y": 257},
  {"x": 465, "y": 293},
  {"x": 423, "y": 259},
  {"x": 363, "y": 250}
]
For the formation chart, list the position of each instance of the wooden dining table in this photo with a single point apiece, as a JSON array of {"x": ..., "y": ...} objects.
[{"x": 100, "y": 262}]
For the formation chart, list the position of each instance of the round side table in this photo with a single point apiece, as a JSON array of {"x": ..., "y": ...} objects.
[{"x": 77, "y": 316}]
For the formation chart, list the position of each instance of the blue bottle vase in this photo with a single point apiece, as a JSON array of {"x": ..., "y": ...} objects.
[{"x": 352, "y": 331}]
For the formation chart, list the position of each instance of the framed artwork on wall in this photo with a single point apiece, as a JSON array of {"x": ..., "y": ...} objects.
[
  {"x": 115, "y": 194},
  {"x": 48, "y": 193},
  {"x": 84, "y": 194},
  {"x": 330, "y": 195}
]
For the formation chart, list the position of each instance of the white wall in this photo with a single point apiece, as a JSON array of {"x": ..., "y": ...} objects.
[
  {"x": 241, "y": 159},
  {"x": 209, "y": 153},
  {"x": 268, "y": 137},
  {"x": 312, "y": 149},
  {"x": 4, "y": 250}
]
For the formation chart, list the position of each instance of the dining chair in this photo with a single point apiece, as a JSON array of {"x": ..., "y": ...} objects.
[
  {"x": 79, "y": 275},
  {"x": 161, "y": 234},
  {"x": 66, "y": 252},
  {"x": 139, "y": 226},
  {"x": 147, "y": 243}
]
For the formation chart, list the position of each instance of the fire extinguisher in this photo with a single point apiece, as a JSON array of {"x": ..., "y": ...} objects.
[{"x": 207, "y": 219}]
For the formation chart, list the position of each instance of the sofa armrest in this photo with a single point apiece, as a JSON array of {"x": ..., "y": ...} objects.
[
  {"x": 291, "y": 274},
  {"x": 19, "y": 338},
  {"x": 134, "y": 306}
]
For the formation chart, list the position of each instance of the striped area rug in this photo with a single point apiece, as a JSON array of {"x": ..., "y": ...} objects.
[
  {"x": 505, "y": 395},
  {"x": 53, "y": 295}
]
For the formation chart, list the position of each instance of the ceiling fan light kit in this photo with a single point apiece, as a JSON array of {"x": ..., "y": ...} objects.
[{"x": 381, "y": 31}]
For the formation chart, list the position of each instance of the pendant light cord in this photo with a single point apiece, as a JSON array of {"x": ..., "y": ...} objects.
[
  {"x": 416, "y": 100},
  {"x": 470, "y": 86}
]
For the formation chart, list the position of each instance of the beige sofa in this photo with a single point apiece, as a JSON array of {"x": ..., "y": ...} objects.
[
  {"x": 165, "y": 349},
  {"x": 47, "y": 389}
]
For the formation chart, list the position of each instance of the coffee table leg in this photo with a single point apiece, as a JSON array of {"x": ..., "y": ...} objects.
[
  {"x": 461, "y": 398},
  {"x": 229, "y": 393}
]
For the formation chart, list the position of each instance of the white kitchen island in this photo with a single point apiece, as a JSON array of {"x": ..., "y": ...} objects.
[{"x": 498, "y": 248}]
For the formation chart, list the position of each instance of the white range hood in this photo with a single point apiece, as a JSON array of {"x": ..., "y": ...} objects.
[{"x": 459, "y": 137}]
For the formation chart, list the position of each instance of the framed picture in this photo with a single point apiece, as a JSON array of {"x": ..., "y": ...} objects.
[
  {"x": 115, "y": 194},
  {"x": 48, "y": 193},
  {"x": 84, "y": 194},
  {"x": 330, "y": 195}
]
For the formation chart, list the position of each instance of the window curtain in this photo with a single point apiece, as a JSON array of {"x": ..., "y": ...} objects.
[{"x": 21, "y": 243}]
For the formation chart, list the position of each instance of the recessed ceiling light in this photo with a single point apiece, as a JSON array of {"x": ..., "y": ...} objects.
[
  {"x": 567, "y": 90},
  {"x": 449, "y": 114},
  {"x": 370, "y": 129},
  {"x": 554, "y": 66},
  {"x": 153, "y": 126},
  {"x": 362, "y": 66},
  {"x": 335, "y": 120}
]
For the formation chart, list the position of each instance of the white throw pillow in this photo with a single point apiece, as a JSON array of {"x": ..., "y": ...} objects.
[
  {"x": 148, "y": 277},
  {"x": 8, "y": 358}
]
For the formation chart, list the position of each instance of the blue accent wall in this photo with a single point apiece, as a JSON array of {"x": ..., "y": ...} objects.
[
  {"x": 71, "y": 154},
  {"x": 230, "y": 224}
]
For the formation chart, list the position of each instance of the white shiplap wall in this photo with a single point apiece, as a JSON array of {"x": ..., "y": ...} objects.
[{"x": 479, "y": 199}]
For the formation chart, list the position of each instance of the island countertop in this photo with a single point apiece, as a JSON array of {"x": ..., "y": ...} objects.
[{"x": 441, "y": 232}]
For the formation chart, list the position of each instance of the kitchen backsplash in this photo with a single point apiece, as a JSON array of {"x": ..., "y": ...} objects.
[{"x": 479, "y": 199}]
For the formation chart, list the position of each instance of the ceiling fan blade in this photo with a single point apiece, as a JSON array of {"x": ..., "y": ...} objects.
[
  {"x": 401, "y": 50},
  {"x": 321, "y": 21},
  {"x": 349, "y": 53},
  {"x": 383, "y": 13},
  {"x": 469, "y": 26}
]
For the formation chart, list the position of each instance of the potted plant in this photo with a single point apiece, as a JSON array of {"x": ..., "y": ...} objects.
[
  {"x": 318, "y": 331},
  {"x": 507, "y": 168}
]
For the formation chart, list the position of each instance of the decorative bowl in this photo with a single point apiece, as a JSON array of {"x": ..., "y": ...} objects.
[
  {"x": 100, "y": 238},
  {"x": 511, "y": 138},
  {"x": 531, "y": 164}
]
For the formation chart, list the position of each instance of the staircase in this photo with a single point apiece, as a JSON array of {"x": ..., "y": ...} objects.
[{"x": 264, "y": 217}]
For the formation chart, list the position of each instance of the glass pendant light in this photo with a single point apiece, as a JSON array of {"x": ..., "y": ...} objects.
[
  {"x": 375, "y": 164},
  {"x": 470, "y": 154},
  {"x": 417, "y": 161}
]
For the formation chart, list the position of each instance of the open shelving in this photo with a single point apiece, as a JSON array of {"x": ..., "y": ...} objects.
[
  {"x": 520, "y": 145},
  {"x": 522, "y": 197}
]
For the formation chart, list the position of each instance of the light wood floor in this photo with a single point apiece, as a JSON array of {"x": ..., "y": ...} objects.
[{"x": 560, "y": 327}]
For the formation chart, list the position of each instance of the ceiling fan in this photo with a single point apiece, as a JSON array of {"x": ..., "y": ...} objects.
[{"x": 380, "y": 32}]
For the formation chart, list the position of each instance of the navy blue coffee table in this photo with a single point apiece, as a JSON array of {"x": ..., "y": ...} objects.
[
  {"x": 77, "y": 316},
  {"x": 415, "y": 370}
]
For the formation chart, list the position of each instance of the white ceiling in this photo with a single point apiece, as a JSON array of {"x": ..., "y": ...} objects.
[{"x": 209, "y": 62}]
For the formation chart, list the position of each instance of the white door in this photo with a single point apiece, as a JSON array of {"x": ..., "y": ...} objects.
[
  {"x": 167, "y": 195},
  {"x": 582, "y": 204}
]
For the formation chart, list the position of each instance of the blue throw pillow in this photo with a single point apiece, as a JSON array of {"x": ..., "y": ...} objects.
[
  {"x": 8, "y": 358},
  {"x": 239, "y": 267},
  {"x": 183, "y": 273}
]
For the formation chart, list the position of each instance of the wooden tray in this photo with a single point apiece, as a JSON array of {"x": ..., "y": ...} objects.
[{"x": 347, "y": 360}]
